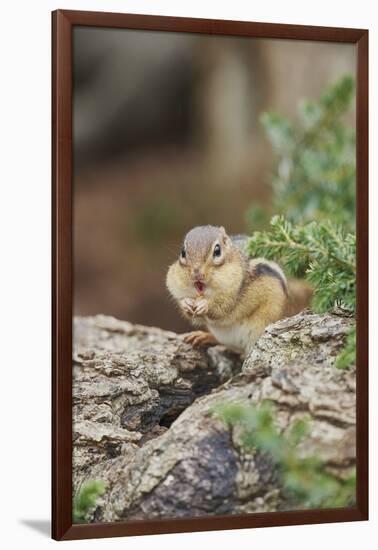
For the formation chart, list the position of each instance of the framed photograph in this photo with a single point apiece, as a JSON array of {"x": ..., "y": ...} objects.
[{"x": 210, "y": 274}]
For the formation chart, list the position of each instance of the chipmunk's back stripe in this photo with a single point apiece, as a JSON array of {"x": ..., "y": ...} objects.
[{"x": 265, "y": 269}]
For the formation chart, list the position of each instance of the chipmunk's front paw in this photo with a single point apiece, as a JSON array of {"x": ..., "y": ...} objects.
[
  {"x": 194, "y": 308},
  {"x": 188, "y": 305},
  {"x": 201, "y": 307},
  {"x": 200, "y": 338}
]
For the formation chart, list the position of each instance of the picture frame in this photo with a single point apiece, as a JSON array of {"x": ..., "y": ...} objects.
[{"x": 63, "y": 22}]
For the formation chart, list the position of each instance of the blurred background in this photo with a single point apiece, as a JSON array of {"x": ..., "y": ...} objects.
[{"x": 168, "y": 135}]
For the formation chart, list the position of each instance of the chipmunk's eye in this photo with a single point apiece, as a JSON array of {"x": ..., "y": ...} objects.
[
  {"x": 183, "y": 253},
  {"x": 217, "y": 251}
]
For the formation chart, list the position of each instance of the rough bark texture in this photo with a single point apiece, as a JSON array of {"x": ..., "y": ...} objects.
[
  {"x": 131, "y": 382},
  {"x": 144, "y": 422}
]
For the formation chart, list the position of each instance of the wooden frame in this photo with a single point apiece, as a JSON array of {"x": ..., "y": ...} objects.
[{"x": 62, "y": 24}]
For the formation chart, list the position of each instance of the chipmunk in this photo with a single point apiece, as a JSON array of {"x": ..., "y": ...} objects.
[{"x": 216, "y": 285}]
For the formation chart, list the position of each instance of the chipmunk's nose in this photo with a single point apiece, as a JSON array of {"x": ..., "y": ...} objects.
[{"x": 197, "y": 273}]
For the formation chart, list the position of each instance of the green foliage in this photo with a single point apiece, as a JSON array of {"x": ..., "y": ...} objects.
[
  {"x": 347, "y": 357},
  {"x": 315, "y": 170},
  {"x": 305, "y": 481},
  {"x": 322, "y": 252},
  {"x": 314, "y": 191},
  {"x": 312, "y": 236},
  {"x": 86, "y": 498}
]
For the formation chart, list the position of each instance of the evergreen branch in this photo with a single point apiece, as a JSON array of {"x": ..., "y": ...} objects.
[
  {"x": 86, "y": 498},
  {"x": 347, "y": 357},
  {"x": 305, "y": 481},
  {"x": 321, "y": 252},
  {"x": 315, "y": 159}
]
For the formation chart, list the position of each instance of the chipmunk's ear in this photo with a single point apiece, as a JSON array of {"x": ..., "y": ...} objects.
[{"x": 225, "y": 238}]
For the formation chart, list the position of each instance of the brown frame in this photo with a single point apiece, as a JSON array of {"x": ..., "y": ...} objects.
[{"x": 62, "y": 23}]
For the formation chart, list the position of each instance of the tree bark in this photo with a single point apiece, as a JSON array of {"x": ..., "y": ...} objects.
[{"x": 144, "y": 419}]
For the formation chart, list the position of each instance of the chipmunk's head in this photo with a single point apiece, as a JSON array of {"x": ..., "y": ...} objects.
[{"x": 207, "y": 262}]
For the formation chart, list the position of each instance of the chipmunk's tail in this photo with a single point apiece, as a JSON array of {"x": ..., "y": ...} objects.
[{"x": 300, "y": 293}]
